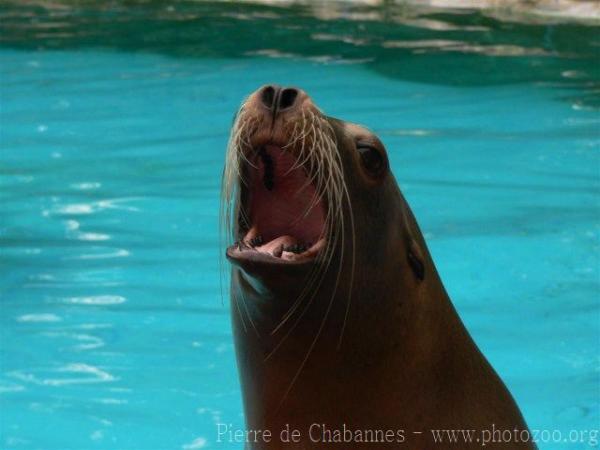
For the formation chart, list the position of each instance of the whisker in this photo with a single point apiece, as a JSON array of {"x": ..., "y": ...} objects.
[{"x": 314, "y": 142}]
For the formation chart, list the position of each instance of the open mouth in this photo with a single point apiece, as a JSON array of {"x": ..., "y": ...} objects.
[{"x": 283, "y": 216}]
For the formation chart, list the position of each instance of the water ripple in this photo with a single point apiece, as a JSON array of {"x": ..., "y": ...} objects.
[
  {"x": 91, "y": 374},
  {"x": 48, "y": 317},
  {"x": 98, "y": 300}
]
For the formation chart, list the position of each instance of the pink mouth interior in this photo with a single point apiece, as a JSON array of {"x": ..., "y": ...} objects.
[{"x": 287, "y": 217}]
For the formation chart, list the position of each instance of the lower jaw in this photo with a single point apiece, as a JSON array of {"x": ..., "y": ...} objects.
[{"x": 281, "y": 249}]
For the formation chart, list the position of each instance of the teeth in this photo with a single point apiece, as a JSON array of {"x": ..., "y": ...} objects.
[
  {"x": 256, "y": 241},
  {"x": 296, "y": 248},
  {"x": 286, "y": 246},
  {"x": 241, "y": 245}
]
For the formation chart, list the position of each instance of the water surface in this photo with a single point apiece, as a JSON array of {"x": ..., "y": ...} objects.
[{"x": 113, "y": 125}]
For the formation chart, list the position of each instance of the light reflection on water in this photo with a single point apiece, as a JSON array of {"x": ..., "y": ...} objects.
[{"x": 113, "y": 334}]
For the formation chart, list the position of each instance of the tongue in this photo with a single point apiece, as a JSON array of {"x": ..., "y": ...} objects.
[{"x": 276, "y": 246}]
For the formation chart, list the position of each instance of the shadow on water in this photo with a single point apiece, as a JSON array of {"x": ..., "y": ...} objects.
[{"x": 445, "y": 47}]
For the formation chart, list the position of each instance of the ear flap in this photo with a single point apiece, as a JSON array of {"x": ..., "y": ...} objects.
[
  {"x": 414, "y": 257},
  {"x": 414, "y": 254}
]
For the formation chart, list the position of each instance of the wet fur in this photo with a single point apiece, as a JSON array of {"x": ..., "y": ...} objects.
[{"x": 405, "y": 361}]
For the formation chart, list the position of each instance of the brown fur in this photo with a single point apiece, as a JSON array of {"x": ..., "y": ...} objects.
[{"x": 396, "y": 358}]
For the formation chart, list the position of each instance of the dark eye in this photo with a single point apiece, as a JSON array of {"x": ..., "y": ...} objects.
[{"x": 372, "y": 159}]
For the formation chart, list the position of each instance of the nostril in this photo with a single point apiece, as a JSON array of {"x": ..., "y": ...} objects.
[
  {"x": 267, "y": 96},
  {"x": 287, "y": 98}
]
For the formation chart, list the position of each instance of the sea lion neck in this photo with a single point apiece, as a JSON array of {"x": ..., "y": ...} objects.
[{"x": 279, "y": 302}]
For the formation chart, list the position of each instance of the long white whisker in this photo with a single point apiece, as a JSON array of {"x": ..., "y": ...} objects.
[{"x": 316, "y": 152}]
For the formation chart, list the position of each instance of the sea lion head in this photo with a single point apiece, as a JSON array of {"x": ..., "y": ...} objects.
[{"x": 314, "y": 212}]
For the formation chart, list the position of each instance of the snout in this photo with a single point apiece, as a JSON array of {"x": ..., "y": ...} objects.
[
  {"x": 272, "y": 114},
  {"x": 282, "y": 151},
  {"x": 278, "y": 101}
]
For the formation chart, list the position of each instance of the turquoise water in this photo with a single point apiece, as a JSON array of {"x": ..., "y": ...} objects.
[{"x": 113, "y": 125}]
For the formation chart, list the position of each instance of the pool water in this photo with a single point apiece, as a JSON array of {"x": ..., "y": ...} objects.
[{"x": 113, "y": 125}]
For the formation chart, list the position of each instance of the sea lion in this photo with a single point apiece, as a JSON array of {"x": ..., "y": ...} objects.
[{"x": 344, "y": 334}]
